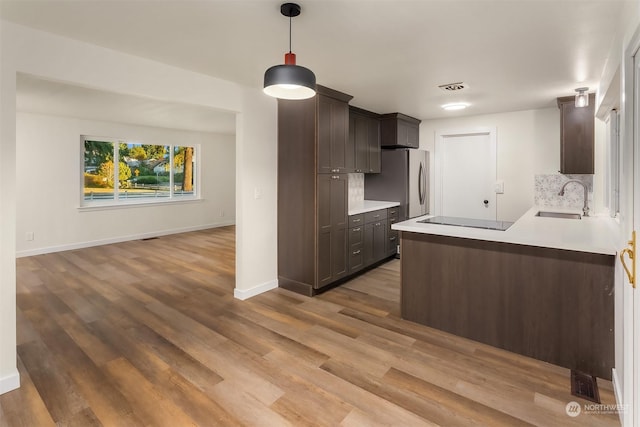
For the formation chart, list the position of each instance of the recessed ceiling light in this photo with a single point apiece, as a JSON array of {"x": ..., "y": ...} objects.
[{"x": 455, "y": 106}]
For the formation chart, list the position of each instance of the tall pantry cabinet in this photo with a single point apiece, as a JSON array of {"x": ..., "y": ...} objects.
[{"x": 313, "y": 190}]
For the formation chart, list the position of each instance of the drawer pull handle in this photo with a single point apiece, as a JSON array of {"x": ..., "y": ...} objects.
[
  {"x": 378, "y": 224},
  {"x": 335, "y": 170},
  {"x": 356, "y": 252},
  {"x": 392, "y": 212},
  {"x": 355, "y": 230},
  {"x": 376, "y": 216},
  {"x": 392, "y": 238},
  {"x": 357, "y": 220}
]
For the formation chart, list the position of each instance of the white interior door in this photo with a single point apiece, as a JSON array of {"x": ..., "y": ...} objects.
[
  {"x": 626, "y": 374},
  {"x": 466, "y": 174},
  {"x": 632, "y": 293}
]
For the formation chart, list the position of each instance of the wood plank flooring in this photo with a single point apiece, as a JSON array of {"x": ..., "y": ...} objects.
[{"x": 147, "y": 333}]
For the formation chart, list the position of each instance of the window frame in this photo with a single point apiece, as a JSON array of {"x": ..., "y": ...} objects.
[
  {"x": 118, "y": 201},
  {"x": 613, "y": 164}
]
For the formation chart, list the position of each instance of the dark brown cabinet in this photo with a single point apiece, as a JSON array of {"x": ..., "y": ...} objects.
[
  {"x": 369, "y": 238},
  {"x": 332, "y": 228},
  {"x": 356, "y": 239},
  {"x": 576, "y": 136},
  {"x": 551, "y": 304},
  {"x": 375, "y": 241},
  {"x": 312, "y": 206},
  {"x": 333, "y": 132},
  {"x": 364, "y": 141},
  {"x": 392, "y": 235},
  {"x": 399, "y": 130}
]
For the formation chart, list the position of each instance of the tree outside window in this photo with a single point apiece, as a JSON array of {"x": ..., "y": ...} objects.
[{"x": 144, "y": 172}]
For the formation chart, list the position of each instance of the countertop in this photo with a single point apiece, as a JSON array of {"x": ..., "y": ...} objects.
[
  {"x": 371, "y": 205},
  {"x": 593, "y": 234}
]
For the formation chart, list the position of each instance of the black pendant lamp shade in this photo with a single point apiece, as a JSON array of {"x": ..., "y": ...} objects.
[{"x": 289, "y": 81}]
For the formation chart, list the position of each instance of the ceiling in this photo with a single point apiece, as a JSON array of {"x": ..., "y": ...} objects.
[
  {"x": 37, "y": 95},
  {"x": 391, "y": 55}
]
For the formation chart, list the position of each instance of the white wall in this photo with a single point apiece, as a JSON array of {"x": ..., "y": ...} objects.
[
  {"x": 48, "y": 173},
  {"x": 9, "y": 378},
  {"x": 528, "y": 143},
  {"x": 256, "y": 203},
  {"x": 69, "y": 61}
]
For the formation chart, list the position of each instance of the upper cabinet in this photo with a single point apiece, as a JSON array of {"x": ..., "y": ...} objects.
[
  {"x": 364, "y": 141},
  {"x": 333, "y": 130},
  {"x": 576, "y": 136},
  {"x": 399, "y": 130}
]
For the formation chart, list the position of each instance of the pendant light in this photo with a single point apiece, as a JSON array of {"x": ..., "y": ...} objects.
[
  {"x": 289, "y": 81},
  {"x": 582, "y": 97}
]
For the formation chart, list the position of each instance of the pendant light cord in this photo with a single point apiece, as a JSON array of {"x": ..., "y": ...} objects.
[{"x": 289, "y": 33}]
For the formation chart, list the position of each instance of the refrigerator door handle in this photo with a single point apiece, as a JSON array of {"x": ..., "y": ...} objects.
[
  {"x": 420, "y": 181},
  {"x": 424, "y": 185}
]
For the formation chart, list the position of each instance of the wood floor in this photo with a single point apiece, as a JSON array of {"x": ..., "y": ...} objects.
[{"x": 147, "y": 333}]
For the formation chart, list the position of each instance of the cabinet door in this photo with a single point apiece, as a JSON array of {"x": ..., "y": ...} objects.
[
  {"x": 333, "y": 134},
  {"x": 351, "y": 145},
  {"x": 368, "y": 246},
  {"x": 375, "y": 242},
  {"x": 339, "y": 258},
  {"x": 576, "y": 137},
  {"x": 373, "y": 145},
  {"x": 362, "y": 144},
  {"x": 332, "y": 228},
  {"x": 408, "y": 134},
  {"x": 380, "y": 245},
  {"x": 413, "y": 132}
]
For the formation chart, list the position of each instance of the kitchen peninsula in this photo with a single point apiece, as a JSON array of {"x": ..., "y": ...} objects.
[{"x": 542, "y": 288}]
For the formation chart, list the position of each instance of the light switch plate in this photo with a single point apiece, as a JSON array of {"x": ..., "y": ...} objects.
[{"x": 499, "y": 187}]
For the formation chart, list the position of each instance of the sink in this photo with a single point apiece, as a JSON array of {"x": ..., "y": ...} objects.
[{"x": 565, "y": 215}]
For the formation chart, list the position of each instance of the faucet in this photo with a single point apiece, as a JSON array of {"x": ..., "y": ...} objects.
[{"x": 585, "y": 208}]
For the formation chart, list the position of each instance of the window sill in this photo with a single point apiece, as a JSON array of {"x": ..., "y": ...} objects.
[{"x": 136, "y": 204}]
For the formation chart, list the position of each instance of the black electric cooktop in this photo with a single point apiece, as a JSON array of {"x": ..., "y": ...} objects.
[{"x": 469, "y": 222}]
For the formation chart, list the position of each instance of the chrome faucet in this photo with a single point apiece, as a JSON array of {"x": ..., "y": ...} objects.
[{"x": 585, "y": 208}]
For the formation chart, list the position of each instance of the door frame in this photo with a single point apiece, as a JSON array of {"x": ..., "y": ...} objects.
[
  {"x": 628, "y": 394},
  {"x": 438, "y": 170}
]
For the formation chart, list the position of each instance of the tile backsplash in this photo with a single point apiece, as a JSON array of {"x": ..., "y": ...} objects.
[
  {"x": 546, "y": 190},
  {"x": 356, "y": 189}
]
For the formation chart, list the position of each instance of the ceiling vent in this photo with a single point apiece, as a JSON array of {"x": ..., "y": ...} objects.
[{"x": 454, "y": 87}]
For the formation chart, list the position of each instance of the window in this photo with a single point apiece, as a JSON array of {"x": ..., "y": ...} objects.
[{"x": 121, "y": 172}]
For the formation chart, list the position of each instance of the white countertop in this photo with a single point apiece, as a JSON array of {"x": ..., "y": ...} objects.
[
  {"x": 370, "y": 205},
  {"x": 590, "y": 234}
]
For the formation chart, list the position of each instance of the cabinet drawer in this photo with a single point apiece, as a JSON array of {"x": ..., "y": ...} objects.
[
  {"x": 355, "y": 235},
  {"x": 356, "y": 258},
  {"x": 392, "y": 214},
  {"x": 356, "y": 220},
  {"x": 392, "y": 242},
  {"x": 375, "y": 216}
]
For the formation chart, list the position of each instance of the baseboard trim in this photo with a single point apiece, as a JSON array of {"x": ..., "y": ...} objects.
[
  {"x": 10, "y": 382},
  {"x": 243, "y": 294},
  {"x": 617, "y": 393},
  {"x": 119, "y": 239}
]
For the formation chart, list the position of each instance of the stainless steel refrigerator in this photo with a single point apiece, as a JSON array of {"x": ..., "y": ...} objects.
[{"x": 404, "y": 178}]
